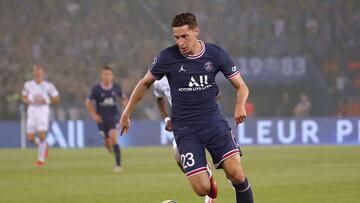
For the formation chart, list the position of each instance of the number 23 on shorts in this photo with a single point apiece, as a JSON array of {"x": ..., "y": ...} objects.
[{"x": 187, "y": 160}]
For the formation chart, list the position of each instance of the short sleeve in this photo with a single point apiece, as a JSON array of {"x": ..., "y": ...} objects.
[
  {"x": 157, "y": 68},
  {"x": 25, "y": 91},
  {"x": 227, "y": 66},
  {"x": 92, "y": 95},
  {"x": 53, "y": 91},
  {"x": 157, "y": 91}
]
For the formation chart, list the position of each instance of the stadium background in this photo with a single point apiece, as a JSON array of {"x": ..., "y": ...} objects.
[
  {"x": 283, "y": 49},
  {"x": 73, "y": 39}
]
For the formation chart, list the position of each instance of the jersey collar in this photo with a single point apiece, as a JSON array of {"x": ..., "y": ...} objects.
[
  {"x": 197, "y": 55},
  {"x": 106, "y": 88}
]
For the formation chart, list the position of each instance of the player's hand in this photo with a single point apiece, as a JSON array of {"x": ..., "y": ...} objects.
[
  {"x": 39, "y": 101},
  {"x": 97, "y": 118},
  {"x": 240, "y": 114},
  {"x": 124, "y": 124},
  {"x": 168, "y": 124}
]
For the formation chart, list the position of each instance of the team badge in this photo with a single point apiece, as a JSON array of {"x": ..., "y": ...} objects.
[{"x": 208, "y": 66}]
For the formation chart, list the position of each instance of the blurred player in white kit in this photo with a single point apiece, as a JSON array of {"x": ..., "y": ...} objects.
[{"x": 38, "y": 94}]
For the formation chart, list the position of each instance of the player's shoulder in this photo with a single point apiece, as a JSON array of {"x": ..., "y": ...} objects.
[
  {"x": 47, "y": 83},
  {"x": 116, "y": 86},
  {"x": 29, "y": 82},
  {"x": 96, "y": 87},
  {"x": 168, "y": 53},
  {"x": 213, "y": 48}
]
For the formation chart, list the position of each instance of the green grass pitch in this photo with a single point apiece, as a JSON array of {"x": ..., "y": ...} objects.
[{"x": 277, "y": 174}]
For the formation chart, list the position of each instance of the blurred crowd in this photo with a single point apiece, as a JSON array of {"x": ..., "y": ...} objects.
[{"x": 73, "y": 39}]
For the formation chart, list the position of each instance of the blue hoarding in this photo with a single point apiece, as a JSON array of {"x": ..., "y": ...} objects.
[{"x": 290, "y": 131}]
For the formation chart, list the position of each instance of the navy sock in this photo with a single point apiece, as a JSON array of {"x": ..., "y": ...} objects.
[
  {"x": 243, "y": 192},
  {"x": 116, "y": 148}
]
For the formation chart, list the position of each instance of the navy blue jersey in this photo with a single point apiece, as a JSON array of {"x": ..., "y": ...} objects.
[
  {"x": 106, "y": 101},
  {"x": 192, "y": 81}
]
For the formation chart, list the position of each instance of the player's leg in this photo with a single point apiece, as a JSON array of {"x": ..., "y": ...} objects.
[
  {"x": 235, "y": 173},
  {"x": 32, "y": 138},
  {"x": 200, "y": 183},
  {"x": 104, "y": 133},
  {"x": 107, "y": 144},
  {"x": 42, "y": 146},
  {"x": 42, "y": 127},
  {"x": 177, "y": 159},
  {"x": 225, "y": 154},
  {"x": 116, "y": 147},
  {"x": 193, "y": 162},
  {"x": 31, "y": 129}
]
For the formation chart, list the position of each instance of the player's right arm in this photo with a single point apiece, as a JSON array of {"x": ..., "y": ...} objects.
[
  {"x": 54, "y": 94},
  {"x": 26, "y": 100},
  {"x": 161, "y": 103},
  {"x": 24, "y": 95},
  {"x": 138, "y": 93},
  {"x": 90, "y": 106},
  {"x": 242, "y": 95}
]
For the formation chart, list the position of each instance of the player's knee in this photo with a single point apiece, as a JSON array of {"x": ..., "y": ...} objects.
[
  {"x": 42, "y": 139},
  {"x": 202, "y": 189},
  {"x": 201, "y": 185},
  {"x": 236, "y": 176},
  {"x": 31, "y": 139},
  {"x": 42, "y": 136},
  {"x": 107, "y": 141},
  {"x": 112, "y": 141}
]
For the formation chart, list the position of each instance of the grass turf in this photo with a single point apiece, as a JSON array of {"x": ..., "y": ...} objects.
[{"x": 277, "y": 174}]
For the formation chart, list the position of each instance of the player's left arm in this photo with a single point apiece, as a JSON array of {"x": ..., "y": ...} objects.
[
  {"x": 55, "y": 100},
  {"x": 242, "y": 95},
  {"x": 24, "y": 95},
  {"x": 232, "y": 73},
  {"x": 54, "y": 95}
]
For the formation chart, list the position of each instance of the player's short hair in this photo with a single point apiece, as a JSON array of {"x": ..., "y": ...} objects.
[
  {"x": 182, "y": 19},
  {"x": 107, "y": 68},
  {"x": 37, "y": 66}
]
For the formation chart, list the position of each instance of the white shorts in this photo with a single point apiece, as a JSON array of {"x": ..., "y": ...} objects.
[{"x": 37, "y": 121}]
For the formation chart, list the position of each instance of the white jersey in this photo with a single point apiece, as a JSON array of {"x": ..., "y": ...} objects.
[
  {"x": 162, "y": 88},
  {"x": 38, "y": 115}
]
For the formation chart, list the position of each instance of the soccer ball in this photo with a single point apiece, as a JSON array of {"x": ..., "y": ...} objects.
[{"x": 169, "y": 201}]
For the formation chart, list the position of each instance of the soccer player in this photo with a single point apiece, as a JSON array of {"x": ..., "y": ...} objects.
[
  {"x": 38, "y": 94},
  {"x": 198, "y": 124},
  {"x": 161, "y": 90},
  {"x": 105, "y": 95}
]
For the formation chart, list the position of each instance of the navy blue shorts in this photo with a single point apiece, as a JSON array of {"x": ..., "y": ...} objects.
[
  {"x": 192, "y": 142},
  {"x": 106, "y": 127}
]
